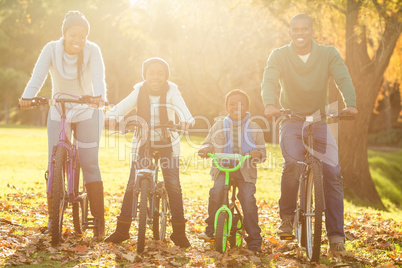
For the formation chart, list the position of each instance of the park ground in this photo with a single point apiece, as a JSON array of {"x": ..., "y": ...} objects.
[{"x": 373, "y": 237}]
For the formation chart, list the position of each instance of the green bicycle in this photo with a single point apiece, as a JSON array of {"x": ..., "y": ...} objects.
[{"x": 228, "y": 223}]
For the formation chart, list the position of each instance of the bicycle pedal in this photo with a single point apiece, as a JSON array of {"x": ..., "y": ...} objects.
[
  {"x": 90, "y": 223},
  {"x": 287, "y": 237}
]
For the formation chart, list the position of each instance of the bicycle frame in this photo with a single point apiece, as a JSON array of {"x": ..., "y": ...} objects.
[
  {"x": 225, "y": 206},
  {"x": 72, "y": 157}
]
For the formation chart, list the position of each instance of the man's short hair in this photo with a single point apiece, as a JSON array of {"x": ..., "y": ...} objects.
[
  {"x": 301, "y": 16},
  {"x": 237, "y": 92}
]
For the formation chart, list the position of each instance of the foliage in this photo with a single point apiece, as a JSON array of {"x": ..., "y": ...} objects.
[
  {"x": 392, "y": 138},
  {"x": 372, "y": 236}
]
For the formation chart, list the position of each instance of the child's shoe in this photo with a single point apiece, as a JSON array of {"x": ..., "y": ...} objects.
[{"x": 204, "y": 236}]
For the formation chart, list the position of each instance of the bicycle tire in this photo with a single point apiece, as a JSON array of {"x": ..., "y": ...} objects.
[
  {"x": 142, "y": 215},
  {"x": 80, "y": 207},
  {"x": 160, "y": 213},
  {"x": 58, "y": 194},
  {"x": 222, "y": 232},
  {"x": 314, "y": 207},
  {"x": 236, "y": 236}
]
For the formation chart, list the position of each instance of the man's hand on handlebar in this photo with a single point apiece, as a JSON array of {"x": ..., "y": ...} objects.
[
  {"x": 351, "y": 111},
  {"x": 204, "y": 151},
  {"x": 271, "y": 110}
]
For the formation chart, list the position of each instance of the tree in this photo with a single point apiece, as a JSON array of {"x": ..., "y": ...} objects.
[
  {"x": 370, "y": 32},
  {"x": 367, "y": 73}
]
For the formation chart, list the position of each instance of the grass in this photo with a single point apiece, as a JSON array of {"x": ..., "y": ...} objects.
[{"x": 23, "y": 154}]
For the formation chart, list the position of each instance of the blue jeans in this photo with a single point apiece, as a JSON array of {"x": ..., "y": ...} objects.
[
  {"x": 87, "y": 134},
  {"x": 170, "y": 171},
  {"x": 293, "y": 150},
  {"x": 246, "y": 191}
]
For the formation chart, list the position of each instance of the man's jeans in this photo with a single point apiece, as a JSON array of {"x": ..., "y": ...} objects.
[
  {"x": 170, "y": 171},
  {"x": 293, "y": 150},
  {"x": 246, "y": 191}
]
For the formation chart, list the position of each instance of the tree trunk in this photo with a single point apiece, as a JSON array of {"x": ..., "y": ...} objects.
[{"x": 367, "y": 75}]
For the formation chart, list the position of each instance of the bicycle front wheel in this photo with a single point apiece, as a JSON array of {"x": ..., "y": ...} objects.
[
  {"x": 161, "y": 212},
  {"x": 222, "y": 232},
  {"x": 313, "y": 212},
  {"x": 80, "y": 206},
  {"x": 142, "y": 215},
  {"x": 58, "y": 194}
]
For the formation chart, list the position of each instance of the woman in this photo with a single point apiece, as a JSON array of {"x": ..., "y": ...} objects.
[{"x": 76, "y": 67}]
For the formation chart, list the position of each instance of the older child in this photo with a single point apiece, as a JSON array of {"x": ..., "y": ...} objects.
[
  {"x": 236, "y": 134},
  {"x": 157, "y": 100}
]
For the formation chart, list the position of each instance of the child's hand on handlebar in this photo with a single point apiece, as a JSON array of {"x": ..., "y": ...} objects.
[
  {"x": 204, "y": 151},
  {"x": 111, "y": 123},
  {"x": 184, "y": 126},
  {"x": 255, "y": 154}
]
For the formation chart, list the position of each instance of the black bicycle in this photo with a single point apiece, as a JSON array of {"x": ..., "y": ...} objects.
[
  {"x": 150, "y": 201},
  {"x": 311, "y": 202}
]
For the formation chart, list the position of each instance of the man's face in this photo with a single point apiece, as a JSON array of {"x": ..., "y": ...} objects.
[
  {"x": 237, "y": 107},
  {"x": 301, "y": 32}
]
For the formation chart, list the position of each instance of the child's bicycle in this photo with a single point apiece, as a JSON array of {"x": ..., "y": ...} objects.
[
  {"x": 63, "y": 177},
  {"x": 228, "y": 223},
  {"x": 150, "y": 201},
  {"x": 311, "y": 200}
]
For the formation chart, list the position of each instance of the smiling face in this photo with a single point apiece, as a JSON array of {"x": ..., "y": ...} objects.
[
  {"x": 237, "y": 107},
  {"x": 301, "y": 32},
  {"x": 75, "y": 38},
  {"x": 155, "y": 76}
]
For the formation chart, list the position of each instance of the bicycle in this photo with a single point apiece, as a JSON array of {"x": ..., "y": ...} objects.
[
  {"x": 64, "y": 186},
  {"x": 150, "y": 201},
  {"x": 228, "y": 224},
  {"x": 311, "y": 201}
]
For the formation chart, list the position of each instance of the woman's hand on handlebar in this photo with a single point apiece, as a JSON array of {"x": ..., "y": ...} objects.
[
  {"x": 204, "y": 151},
  {"x": 95, "y": 102},
  {"x": 25, "y": 103}
]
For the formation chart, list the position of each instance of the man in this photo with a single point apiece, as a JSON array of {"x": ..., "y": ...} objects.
[{"x": 302, "y": 70}]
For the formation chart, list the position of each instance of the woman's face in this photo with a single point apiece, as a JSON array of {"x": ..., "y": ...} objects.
[
  {"x": 155, "y": 76},
  {"x": 75, "y": 38}
]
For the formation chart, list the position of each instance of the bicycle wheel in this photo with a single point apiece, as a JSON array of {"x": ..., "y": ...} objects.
[
  {"x": 161, "y": 212},
  {"x": 222, "y": 232},
  {"x": 236, "y": 234},
  {"x": 58, "y": 194},
  {"x": 80, "y": 207},
  {"x": 142, "y": 215},
  {"x": 314, "y": 210}
]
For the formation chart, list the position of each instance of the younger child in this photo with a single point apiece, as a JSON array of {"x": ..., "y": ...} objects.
[
  {"x": 236, "y": 134},
  {"x": 157, "y": 100}
]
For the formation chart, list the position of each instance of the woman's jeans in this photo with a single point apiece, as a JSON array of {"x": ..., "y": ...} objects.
[
  {"x": 246, "y": 191},
  {"x": 170, "y": 171},
  {"x": 325, "y": 149},
  {"x": 87, "y": 134}
]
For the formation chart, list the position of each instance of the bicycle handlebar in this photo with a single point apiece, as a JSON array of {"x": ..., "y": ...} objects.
[
  {"x": 224, "y": 156},
  {"x": 314, "y": 118},
  {"x": 38, "y": 101}
]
